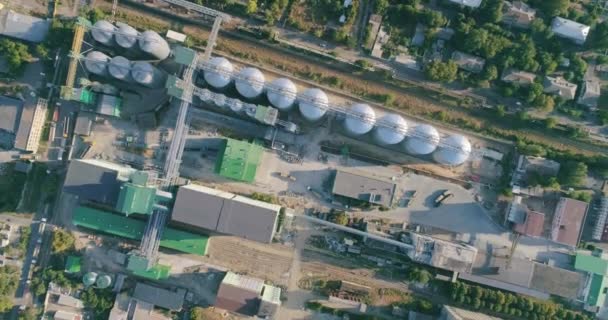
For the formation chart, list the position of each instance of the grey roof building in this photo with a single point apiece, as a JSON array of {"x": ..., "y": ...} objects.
[
  {"x": 224, "y": 212},
  {"x": 163, "y": 298},
  {"x": 84, "y": 123},
  {"x": 453, "y": 313},
  {"x": 518, "y": 77},
  {"x": 571, "y": 30},
  {"x": 590, "y": 93},
  {"x": 248, "y": 296},
  {"x": 31, "y": 124},
  {"x": 10, "y": 110},
  {"x": 23, "y": 27},
  {"x": 468, "y": 62},
  {"x": 96, "y": 180},
  {"x": 364, "y": 188},
  {"x": 466, "y": 3},
  {"x": 518, "y": 14},
  {"x": 559, "y": 87}
]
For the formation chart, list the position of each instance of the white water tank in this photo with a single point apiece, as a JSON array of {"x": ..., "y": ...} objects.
[
  {"x": 120, "y": 68},
  {"x": 423, "y": 139},
  {"x": 453, "y": 150},
  {"x": 313, "y": 104},
  {"x": 390, "y": 129},
  {"x": 97, "y": 63},
  {"x": 103, "y": 32},
  {"x": 147, "y": 75},
  {"x": 282, "y": 93},
  {"x": 360, "y": 119},
  {"x": 250, "y": 82},
  {"x": 218, "y": 72},
  {"x": 153, "y": 44},
  {"x": 125, "y": 36}
]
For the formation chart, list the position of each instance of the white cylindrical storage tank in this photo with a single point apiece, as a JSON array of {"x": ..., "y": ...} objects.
[
  {"x": 360, "y": 120},
  {"x": 390, "y": 129},
  {"x": 453, "y": 150},
  {"x": 147, "y": 75},
  {"x": 423, "y": 139},
  {"x": 220, "y": 100},
  {"x": 125, "y": 36},
  {"x": 313, "y": 103},
  {"x": 236, "y": 105},
  {"x": 282, "y": 93},
  {"x": 103, "y": 32},
  {"x": 103, "y": 281},
  {"x": 120, "y": 68},
  {"x": 153, "y": 44},
  {"x": 97, "y": 63},
  {"x": 89, "y": 278},
  {"x": 250, "y": 82},
  {"x": 218, "y": 72}
]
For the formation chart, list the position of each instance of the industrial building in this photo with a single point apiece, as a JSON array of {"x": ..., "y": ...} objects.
[
  {"x": 247, "y": 296},
  {"x": 571, "y": 30},
  {"x": 162, "y": 298},
  {"x": 568, "y": 221},
  {"x": 239, "y": 160},
  {"x": 595, "y": 266},
  {"x": 129, "y": 308},
  {"x": 23, "y": 27},
  {"x": 10, "y": 112},
  {"x": 210, "y": 209},
  {"x": 363, "y": 188},
  {"x": 58, "y": 305},
  {"x": 458, "y": 257},
  {"x": 129, "y": 228},
  {"x": 453, "y": 313}
]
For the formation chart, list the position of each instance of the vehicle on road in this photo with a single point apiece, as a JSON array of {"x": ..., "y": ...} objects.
[{"x": 442, "y": 197}]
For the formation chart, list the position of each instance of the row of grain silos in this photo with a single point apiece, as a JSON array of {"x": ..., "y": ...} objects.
[
  {"x": 359, "y": 120},
  {"x": 126, "y": 37},
  {"x": 123, "y": 69}
]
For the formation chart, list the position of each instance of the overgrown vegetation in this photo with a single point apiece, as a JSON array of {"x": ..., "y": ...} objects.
[
  {"x": 11, "y": 186},
  {"x": 9, "y": 279},
  {"x": 63, "y": 241},
  {"x": 16, "y": 54},
  {"x": 265, "y": 197}
]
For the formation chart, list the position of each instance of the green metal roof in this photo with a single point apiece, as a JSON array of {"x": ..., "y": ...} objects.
[
  {"x": 139, "y": 177},
  {"x": 73, "y": 264},
  {"x": 130, "y": 228},
  {"x": 87, "y": 96},
  {"x": 239, "y": 160},
  {"x": 597, "y": 290},
  {"x": 172, "y": 87},
  {"x": 589, "y": 263},
  {"x": 135, "y": 199},
  {"x": 139, "y": 266},
  {"x": 183, "y": 55}
]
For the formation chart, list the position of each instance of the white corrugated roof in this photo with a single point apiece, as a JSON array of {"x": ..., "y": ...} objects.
[
  {"x": 570, "y": 29},
  {"x": 23, "y": 27},
  {"x": 243, "y": 282},
  {"x": 468, "y": 3}
]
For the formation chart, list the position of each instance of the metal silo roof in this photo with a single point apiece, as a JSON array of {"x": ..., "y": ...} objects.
[
  {"x": 153, "y": 44},
  {"x": 120, "y": 68},
  {"x": 250, "y": 82},
  {"x": 97, "y": 63},
  {"x": 423, "y": 139},
  {"x": 390, "y": 129},
  {"x": 218, "y": 72},
  {"x": 313, "y": 103},
  {"x": 360, "y": 120},
  {"x": 454, "y": 150},
  {"x": 282, "y": 93},
  {"x": 126, "y": 36},
  {"x": 103, "y": 31}
]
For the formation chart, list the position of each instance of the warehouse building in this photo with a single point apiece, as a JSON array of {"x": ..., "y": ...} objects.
[
  {"x": 162, "y": 298},
  {"x": 23, "y": 27},
  {"x": 10, "y": 112},
  {"x": 595, "y": 266},
  {"x": 215, "y": 210},
  {"x": 568, "y": 221},
  {"x": 239, "y": 160},
  {"x": 248, "y": 296},
  {"x": 96, "y": 180},
  {"x": 359, "y": 187}
]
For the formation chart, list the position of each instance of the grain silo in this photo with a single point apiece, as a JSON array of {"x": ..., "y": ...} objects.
[
  {"x": 390, "y": 129},
  {"x": 282, "y": 93},
  {"x": 125, "y": 36},
  {"x": 120, "y": 68},
  {"x": 220, "y": 100},
  {"x": 313, "y": 104},
  {"x": 89, "y": 279},
  {"x": 103, "y": 32},
  {"x": 218, "y": 72},
  {"x": 249, "y": 82},
  {"x": 103, "y": 281},
  {"x": 97, "y": 63},
  {"x": 360, "y": 119},
  {"x": 453, "y": 150},
  {"x": 423, "y": 139},
  {"x": 153, "y": 44},
  {"x": 147, "y": 75}
]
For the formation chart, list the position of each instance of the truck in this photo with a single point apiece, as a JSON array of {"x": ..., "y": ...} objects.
[
  {"x": 442, "y": 197},
  {"x": 285, "y": 175}
]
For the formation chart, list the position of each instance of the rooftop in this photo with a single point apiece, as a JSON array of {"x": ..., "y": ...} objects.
[
  {"x": 10, "y": 109},
  {"x": 568, "y": 221},
  {"x": 135, "y": 198},
  {"x": 73, "y": 264},
  {"x": 23, "y": 27},
  {"x": 442, "y": 254},
  {"x": 468, "y": 62},
  {"x": 518, "y": 76},
  {"x": 365, "y": 188},
  {"x": 239, "y": 160},
  {"x": 590, "y": 93},
  {"x": 559, "y": 86},
  {"x": 163, "y": 298},
  {"x": 138, "y": 265},
  {"x": 591, "y": 262},
  {"x": 239, "y": 294},
  {"x": 96, "y": 180},
  {"x": 518, "y": 14},
  {"x": 224, "y": 212},
  {"x": 533, "y": 225},
  {"x": 453, "y": 313},
  {"x": 569, "y": 29},
  {"x": 467, "y": 3}
]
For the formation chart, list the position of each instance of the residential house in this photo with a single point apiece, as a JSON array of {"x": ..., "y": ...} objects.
[
  {"x": 468, "y": 62},
  {"x": 571, "y": 30},
  {"x": 518, "y": 77},
  {"x": 560, "y": 87},
  {"x": 518, "y": 14},
  {"x": 590, "y": 94}
]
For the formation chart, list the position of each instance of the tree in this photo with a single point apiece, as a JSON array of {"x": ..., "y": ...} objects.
[
  {"x": 419, "y": 275},
  {"x": 599, "y": 36},
  {"x": 252, "y": 6},
  {"x": 550, "y": 123},
  {"x": 434, "y": 19},
  {"x": 15, "y": 53},
  {"x": 95, "y": 15},
  {"x": 6, "y": 303},
  {"x": 197, "y": 313},
  {"x": 29, "y": 314},
  {"x": 553, "y": 7},
  {"x": 490, "y": 73},
  {"x": 62, "y": 241},
  {"x": 491, "y": 11},
  {"x": 501, "y": 111},
  {"x": 572, "y": 173},
  {"x": 380, "y": 6},
  {"x": 340, "y": 217},
  {"x": 441, "y": 71},
  {"x": 544, "y": 102},
  {"x": 42, "y": 51}
]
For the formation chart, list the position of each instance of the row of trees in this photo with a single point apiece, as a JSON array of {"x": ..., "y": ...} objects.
[
  {"x": 507, "y": 303},
  {"x": 15, "y": 53},
  {"x": 9, "y": 279}
]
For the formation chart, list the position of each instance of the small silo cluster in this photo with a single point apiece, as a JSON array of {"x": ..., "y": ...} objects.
[
  {"x": 453, "y": 150},
  {"x": 423, "y": 140},
  {"x": 218, "y": 72},
  {"x": 391, "y": 129},
  {"x": 126, "y": 37},
  {"x": 121, "y": 68},
  {"x": 97, "y": 63},
  {"x": 313, "y": 104},
  {"x": 282, "y": 93},
  {"x": 360, "y": 119},
  {"x": 250, "y": 83},
  {"x": 147, "y": 75}
]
